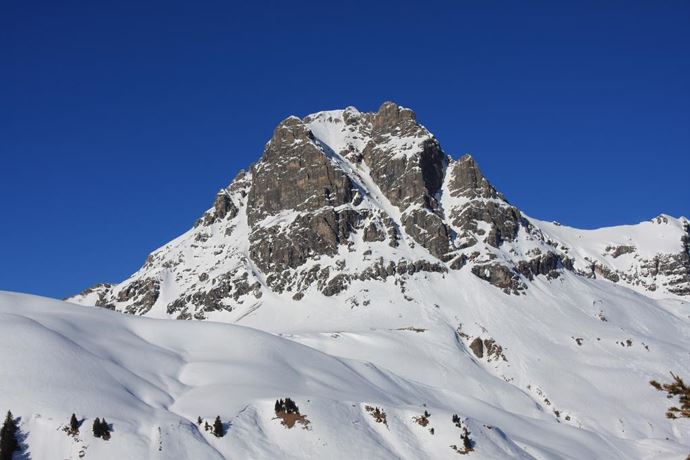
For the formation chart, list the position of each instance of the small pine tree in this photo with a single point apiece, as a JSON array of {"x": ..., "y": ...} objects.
[
  {"x": 456, "y": 419},
  {"x": 199, "y": 421},
  {"x": 8, "y": 437},
  {"x": 105, "y": 430},
  {"x": 218, "y": 427},
  {"x": 466, "y": 441},
  {"x": 74, "y": 425},
  {"x": 290, "y": 406},
  {"x": 97, "y": 429},
  {"x": 277, "y": 406}
]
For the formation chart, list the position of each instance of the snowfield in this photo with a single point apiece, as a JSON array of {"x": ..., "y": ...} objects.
[{"x": 152, "y": 378}]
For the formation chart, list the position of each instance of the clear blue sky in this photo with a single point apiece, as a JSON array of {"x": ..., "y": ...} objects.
[{"x": 119, "y": 121}]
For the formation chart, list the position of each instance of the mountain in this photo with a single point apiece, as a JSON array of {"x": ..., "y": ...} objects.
[
  {"x": 341, "y": 198},
  {"x": 371, "y": 278}
]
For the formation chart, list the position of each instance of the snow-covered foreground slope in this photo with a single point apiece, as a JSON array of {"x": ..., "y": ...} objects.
[
  {"x": 151, "y": 379},
  {"x": 549, "y": 398}
]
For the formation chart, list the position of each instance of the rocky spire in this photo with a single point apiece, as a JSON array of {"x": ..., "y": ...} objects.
[
  {"x": 406, "y": 162},
  {"x": 405, "y": 159}
]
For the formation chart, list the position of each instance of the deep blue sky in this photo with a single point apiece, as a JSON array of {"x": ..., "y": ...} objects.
[{"x": 119, "y": 122}]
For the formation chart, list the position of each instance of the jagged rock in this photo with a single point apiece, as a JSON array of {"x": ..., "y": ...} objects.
[
  {"x": 487, "y": 347},
  {"x": 223, "y": 207},
  {"x": 337, "y": 284},
  {"x": 477, "y": 347},
  {"x": 605, "y": 272},
  {"x": 494, "y": 352},
  {"x": 677, "y": 266},
  {"x": 407, "y": 164},
  {"x": 500, "y": 276},
  {"x": 225, "y": 287},
  {"x": 393, "y": 232},
  {"x": 482, "y": 205},
  {"x": 618, "y": 251},
  {"x": 458, "y": 262},
  {"x": 372, "y": 232},
  {"x": 99, "y": 293},
  {"x": 275, "y": 248},
  {"x": 141, "y": 295},
  {"x": 504, "y": 221},
  {"x": 429, "y": 230},
  {"x": 467, "y": 180},
  {"x": 296, "y": 176},
  {"x": 546, "y": 264}
]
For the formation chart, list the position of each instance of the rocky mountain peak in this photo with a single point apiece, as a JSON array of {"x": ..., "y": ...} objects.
[
  {"x": 405, "y": 159},
  {"x": 342, "y": 199},
  {"x": 290, "y": 130},
  {"x": 391, "y": 116}
]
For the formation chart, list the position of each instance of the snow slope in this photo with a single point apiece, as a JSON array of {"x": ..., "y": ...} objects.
[
  {"x": 152, "y": 378},
  {"x": 146, "y": 375}
]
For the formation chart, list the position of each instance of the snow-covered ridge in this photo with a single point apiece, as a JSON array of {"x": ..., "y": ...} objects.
[{"x": 651, "y": 257}]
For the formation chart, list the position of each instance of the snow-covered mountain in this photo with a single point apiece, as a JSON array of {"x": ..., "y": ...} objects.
[
  {"x": 364, "y": 268},
  {"x": 343, "y": 199}
]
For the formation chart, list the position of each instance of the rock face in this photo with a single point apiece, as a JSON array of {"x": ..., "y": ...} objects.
[
  {"x": 676, "y": 267},
  {"x": 474, "y": 203},
  {"x": 342, "y": 199},
  {"x": 407, "y": 164},
  {"x": 295, "y": 174},
  {"x": 297, "y": 201}
]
